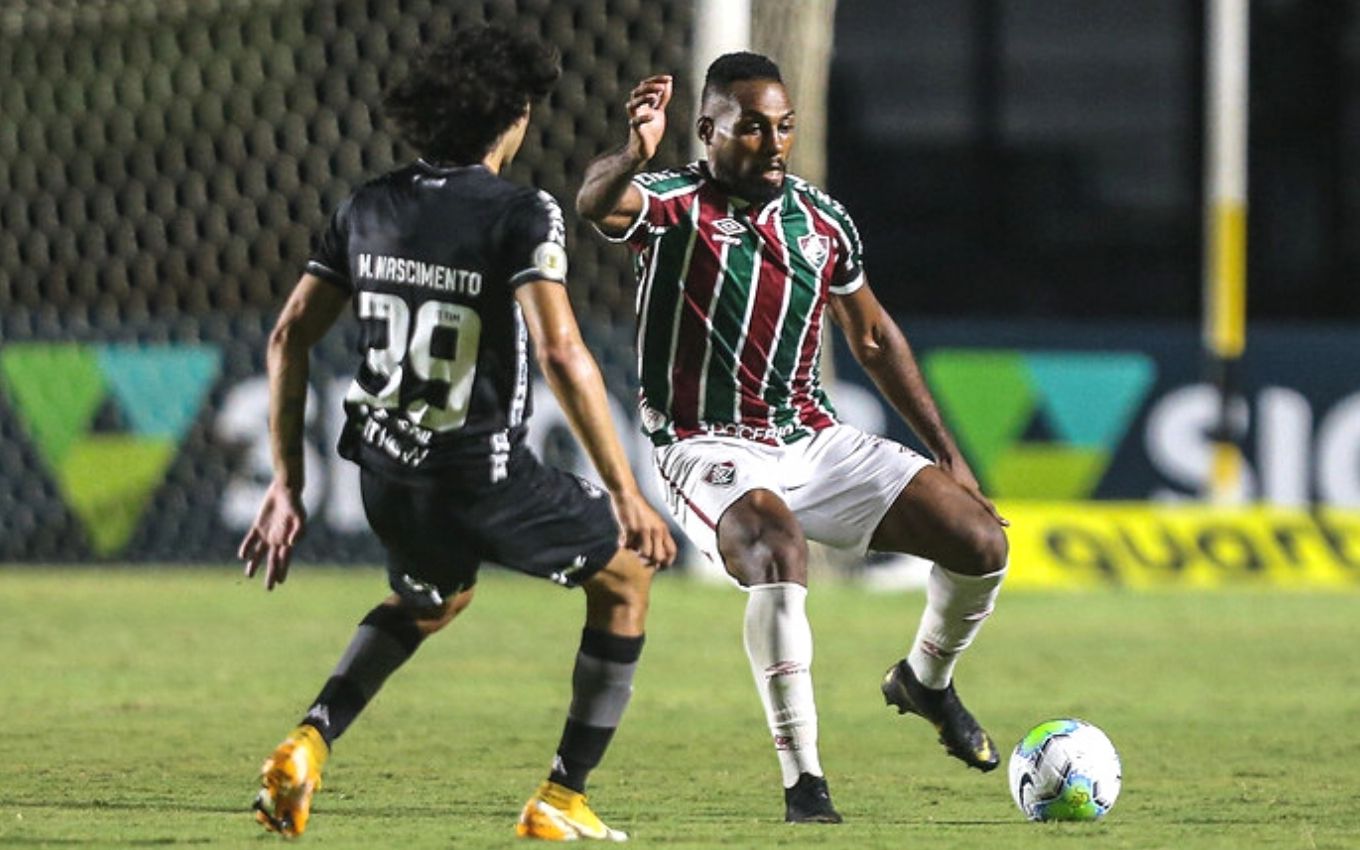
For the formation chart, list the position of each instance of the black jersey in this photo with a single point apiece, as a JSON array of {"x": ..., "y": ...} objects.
[{"x": 433, "y": 256}]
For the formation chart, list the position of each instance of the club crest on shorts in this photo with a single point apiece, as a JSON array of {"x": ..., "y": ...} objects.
[
  {"x": 721, "y": 474},
  {"x": 816, "y": 248}
]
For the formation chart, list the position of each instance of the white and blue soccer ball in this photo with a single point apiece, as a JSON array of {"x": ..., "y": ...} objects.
[{"x": 1065, "y": 770}]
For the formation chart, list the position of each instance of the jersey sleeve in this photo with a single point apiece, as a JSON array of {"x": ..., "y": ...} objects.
[
  {"x": 848, "y": 274},
  {"x": 330, "y": 254},
  {"x": 662, "y": 207},
  {"x": 534, "y": 245}
]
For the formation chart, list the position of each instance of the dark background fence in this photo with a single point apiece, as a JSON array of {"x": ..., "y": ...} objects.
[{"x": 164, "y": 166}]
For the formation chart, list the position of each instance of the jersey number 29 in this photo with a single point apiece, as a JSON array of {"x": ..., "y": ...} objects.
[{"x": 435, "y": 357}]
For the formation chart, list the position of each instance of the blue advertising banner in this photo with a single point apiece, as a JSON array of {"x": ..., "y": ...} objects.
[
  {"x": 149, "y": 442},
  {"x": 1063, "y": 411}
]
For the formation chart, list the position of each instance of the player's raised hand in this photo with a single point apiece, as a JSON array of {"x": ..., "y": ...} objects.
[
  {"x": 647, "y": 114},
  {"x": 271, "y": 538},
  {"x": 642, "y": 530}
]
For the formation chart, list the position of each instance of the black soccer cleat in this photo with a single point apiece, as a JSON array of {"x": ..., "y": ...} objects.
[
  {"x": 959, "y": 731},
  {"x": 808, "y": 801}
]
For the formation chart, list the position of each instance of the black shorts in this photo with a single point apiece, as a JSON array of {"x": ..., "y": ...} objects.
[{"x": 540, "y": 521}]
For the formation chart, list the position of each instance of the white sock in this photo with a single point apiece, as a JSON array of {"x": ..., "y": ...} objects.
[
  {"x": 956, "y": 606},
  {"x": 778, "y": 641}
]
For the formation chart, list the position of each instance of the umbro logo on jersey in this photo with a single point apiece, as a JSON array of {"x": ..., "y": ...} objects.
[
  {"x": 722, "y": 474},
  {"x": 816, "y": 248},
  {"x": 727, "y": 230}
]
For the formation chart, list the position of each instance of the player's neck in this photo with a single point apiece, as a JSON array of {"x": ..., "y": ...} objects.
[
  {"x": 506, "y": 146},
  {"x": 494, "y": 159}
]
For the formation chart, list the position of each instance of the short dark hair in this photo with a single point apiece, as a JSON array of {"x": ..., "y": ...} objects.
[
  {"x": 463, "y": 92},
  {"x": 735, "y": 67}
]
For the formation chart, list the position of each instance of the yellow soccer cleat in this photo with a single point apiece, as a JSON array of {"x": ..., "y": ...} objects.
[
  {"x": 288, "y": 779},
  {"x": 557, "y": 813}
]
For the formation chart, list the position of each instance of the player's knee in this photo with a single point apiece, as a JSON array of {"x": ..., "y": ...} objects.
[
  {"x": 625, "y": 583},
  {"x": 617, "y": 600},
  {"x": 632, "y": 597},
  {"x": 435, "y": 617},
  {"x": 773, "y": 555},
  {"x": 990, "y": 548}
]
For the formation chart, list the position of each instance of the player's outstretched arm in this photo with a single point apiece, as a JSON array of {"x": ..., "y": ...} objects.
[
  {"x": 607, "y": 196},
  {"x": 309, "y": 313},
  {"x": 575, "y": 379},
  {"x": 882, "y": 349}
]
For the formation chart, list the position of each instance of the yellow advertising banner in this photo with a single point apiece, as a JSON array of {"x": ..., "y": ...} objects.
[{"x": 1153, "y": 545}]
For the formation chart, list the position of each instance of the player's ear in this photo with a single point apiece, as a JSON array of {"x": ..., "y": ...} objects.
[{"x": 704, "y": 126}]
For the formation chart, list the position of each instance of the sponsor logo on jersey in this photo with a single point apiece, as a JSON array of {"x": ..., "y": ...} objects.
[
  {"x": 816, "y": 248},
  {"x": 743, "y": 431},
  {"x": 727, "y": 230},
  {"x": 394, "y": 437},
  {"x": 652, "y": 419},
  {"x": 721, "y": 474}
]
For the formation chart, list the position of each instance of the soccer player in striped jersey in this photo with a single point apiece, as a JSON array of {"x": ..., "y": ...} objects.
[
  {"x": 452, "y": 271},
  {"x": 739, "y": 264}
]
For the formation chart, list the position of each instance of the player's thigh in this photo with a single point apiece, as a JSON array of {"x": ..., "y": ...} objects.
[
  {"x": 705, "y": 476},
  {"x": 761, "y": 541},
  {"x": 431, "y": 618},
  {"x": 432, "y": 553},
  {"x": 852, "y": 479},
  {"x": 547, "y": 523},
  {"x": 617, "y": 597},
  {"x": 935, "y": 518}
]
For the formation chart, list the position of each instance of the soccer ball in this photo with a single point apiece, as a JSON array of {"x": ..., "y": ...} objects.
[{"x": 1065, "y": 770}]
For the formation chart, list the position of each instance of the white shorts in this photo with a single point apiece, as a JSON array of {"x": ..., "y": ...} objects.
[{"x": 839, "y": 484}]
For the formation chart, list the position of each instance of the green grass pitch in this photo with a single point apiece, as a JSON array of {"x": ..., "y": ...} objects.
[{"x": 137, "y": 705}]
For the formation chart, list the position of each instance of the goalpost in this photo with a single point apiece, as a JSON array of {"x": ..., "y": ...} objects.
[{"x": 1225, "y": 232}]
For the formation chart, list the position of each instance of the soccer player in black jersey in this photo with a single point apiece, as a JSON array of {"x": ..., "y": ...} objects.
[{"x": 451, "y": 271}]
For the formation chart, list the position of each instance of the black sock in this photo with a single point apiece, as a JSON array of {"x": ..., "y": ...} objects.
[
  {"x": 601, "y": 684},
  {"x": 386, "y": 637}
]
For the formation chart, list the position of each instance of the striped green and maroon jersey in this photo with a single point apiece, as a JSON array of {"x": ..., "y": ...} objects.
[{"x": 731, "y": 298}]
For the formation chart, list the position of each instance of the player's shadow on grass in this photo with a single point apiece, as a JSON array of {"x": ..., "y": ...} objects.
[
  {"x": 124, "y": 805},
  {"x": 39, "y": 841}
]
